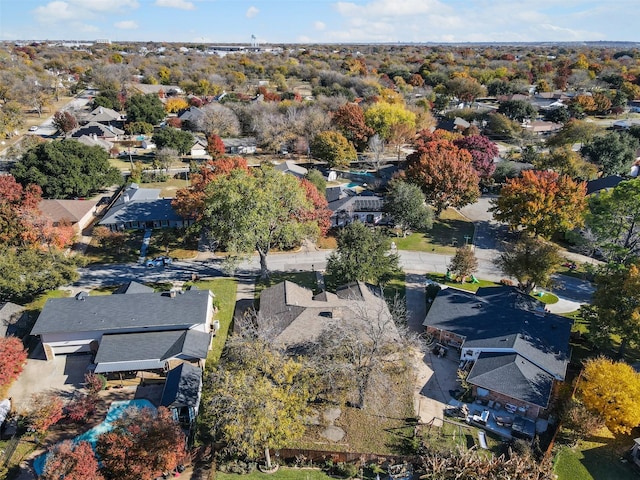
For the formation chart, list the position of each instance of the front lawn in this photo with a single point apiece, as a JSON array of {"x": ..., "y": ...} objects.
[
  {"x": 172, "y": 242},
  {"x": 468, "y": 285},
  {"x": 224, "y": 290},
  {"x": 450, "y": 231},
  {"x": 126, "y": 251},
  {"x": 304, "y": 279}
]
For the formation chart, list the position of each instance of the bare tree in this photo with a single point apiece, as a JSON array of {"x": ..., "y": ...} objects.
[
  {"x": 219, "y": 120},
  {"x": 376, "y": 148}
]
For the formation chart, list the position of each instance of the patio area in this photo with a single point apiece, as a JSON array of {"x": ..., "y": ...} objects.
[{"x": 496, "y": 419}]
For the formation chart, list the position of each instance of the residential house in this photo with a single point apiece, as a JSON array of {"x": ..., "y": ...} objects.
[
  {"x": 347, "y": 206},
  {"x": 295, "y": 316},
  {"x": 131, "y": 331},
  {"x": 94, "y": 141},
  {"x": 240, "y": 146},
  {"x": 79, "y": 213},
  {"x": 292, "y": 168},
  {"x": 160, "y": 90},
  {"x": 199, "y": 148},
  {"x": 516, "y": 351},
  {"x": 98, "y": 130},
  {"x": 456, "y": 125},
  {"x": 190, "y": 117},
  {"x": 541, "y": 127},
  {"x": 104, "y": 115},
  {"x": 182, "y": 393},
  {"x": 138, "y": 208}
]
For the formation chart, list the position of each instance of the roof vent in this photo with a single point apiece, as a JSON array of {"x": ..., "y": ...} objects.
[
  {"x": 477, "y": 305},
  {"x": 81, "y": 296},
  {"x": 326, "y": 314}
]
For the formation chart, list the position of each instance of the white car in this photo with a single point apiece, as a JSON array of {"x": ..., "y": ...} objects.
[
  {"x": 159, "y": 262},
  {"x": 33, "y": 129}
]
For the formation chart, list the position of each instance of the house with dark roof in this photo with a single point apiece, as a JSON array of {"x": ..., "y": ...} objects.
[
  {"x": 516, "y": 351},
  {"x": 295, "y": 316},
  {"x": 141, "y": 208},
  {"x": 136, "y": 330},
  {"x": 104, "y": 115},
  {"x": 97, "y": 130},
  {"x": 603, "y": 183},
  {"x": 182, "y": 393},
  {"x": 347, "y": 206},
  {"x": 240, "y": 145}
]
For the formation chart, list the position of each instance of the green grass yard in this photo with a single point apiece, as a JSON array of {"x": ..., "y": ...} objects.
[
  {"x": 449, "y": 231},
  {"x": 224, "y": 290},
  {"x": 281, "y": 474},
  {"x": 468, "y": 285}
]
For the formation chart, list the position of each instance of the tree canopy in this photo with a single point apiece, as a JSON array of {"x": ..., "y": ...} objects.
[
  {"x": 71, "y": 462},
  {"x": 483, "y": 153},
  {"x": 443, "y": 172},
  {"x": 612, "y": 390},
  {"x": 405, "y": 203},
  {"x": 257, "y": 399},
  {"x": 169, "y": 137},
  {"x": 518, "y": 110},
  {"x": 142, "y": 445},
  {"x": 382, "y": 116},
  {"x": 333, "y": 148},
  {"x": 145, "y": 108},
  {"x": 66, "y": 169},
  {"x": 565, "y": 161},
  {"x": 614, "y": 220},
  {"x": 258, "y": 211},
  {"x": 541, "y": 203},
  {"x": 463, "y": 263},
  {"x": 531, "y": 261},
  {"x": 362, "y": 254},
  {"x": 349, "y": 119},
  {"x": 613, "y": 152},
  {"x": 616, "y": 304},
  {"x": 12, "y": 359}
]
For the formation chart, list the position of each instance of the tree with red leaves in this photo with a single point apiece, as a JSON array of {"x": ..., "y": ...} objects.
[
  {"x": 215, "y": 146},
  {"x": 320, "y": 212},
  {"x": 64, "y": 121},
  {"x": 71, "y": 462},
  {"x": 483, "y": 151},
  {"x": 21, "y": 221},
  {"x": 189, "y": 201},
  {"x": 142, "y": 445},
  {"x": 81, "y": 408},
  {"x": 349, "y": 119},
  {"x": 47, "y": 411},
  {"x": 12, "y": 358},
  {"x": 444, "y": 173}
]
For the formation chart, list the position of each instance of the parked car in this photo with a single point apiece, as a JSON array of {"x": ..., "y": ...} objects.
[
  {"x": 33, "y": 129},
  {"x": 159, "y": 262}
]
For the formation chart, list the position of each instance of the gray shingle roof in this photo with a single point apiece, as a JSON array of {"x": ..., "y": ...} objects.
[
  {"x": 150, "y": 346},
  {"x": 501, "y": 317},
  {"x": 141, "y": 211},
  {"x": 512, "y": 375},
  {"x": 294, "y": 316},
  {"x": 182, "y": 387},
  {"x": 119, "y": 313},
  {"x": 133, "y": 287}
]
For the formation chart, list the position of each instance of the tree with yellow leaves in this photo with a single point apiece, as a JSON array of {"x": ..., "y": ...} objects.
[
  {"x": 612, "y": 389},
  {"x": 174, "y": 105}
]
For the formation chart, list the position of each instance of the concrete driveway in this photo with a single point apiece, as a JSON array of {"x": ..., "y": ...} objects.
[
  {"x": 62, "y": 375},
  {"x": 435, "y": 376}
]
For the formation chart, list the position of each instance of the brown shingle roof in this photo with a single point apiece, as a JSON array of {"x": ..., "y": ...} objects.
[{"x": 72, "y": 210}]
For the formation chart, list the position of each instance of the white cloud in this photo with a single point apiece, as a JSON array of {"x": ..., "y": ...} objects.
[
  {"x": 180, "y": 4},
  {"x": 80, "y": 10},
  {"x": 126, "y": 25},
  {"x": 55, "y": 12},
  {"x": 252, "y": 12},
  {"x": 318, "y": 25}
]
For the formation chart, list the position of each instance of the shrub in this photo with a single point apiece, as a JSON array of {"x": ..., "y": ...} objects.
[{"x": 506, "y": 282}]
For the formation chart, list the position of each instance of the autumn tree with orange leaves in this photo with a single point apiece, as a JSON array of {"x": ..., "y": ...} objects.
[
  {"x": 541, "y": 203},
  {"x": 12, "y": 358},
  {"x": 444, "y": 172},
  {"x": 22, "y": 223},
  {"x": 72, "y": 462},
  {"x": 142, "y": 445}
]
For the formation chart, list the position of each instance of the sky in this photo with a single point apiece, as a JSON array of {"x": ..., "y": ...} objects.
[{"x": 321, "y": 21}]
